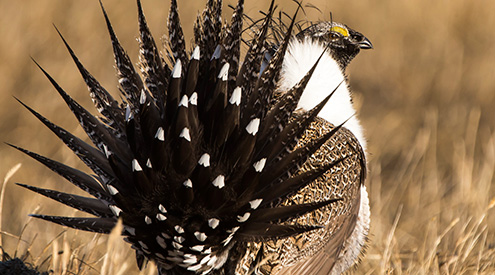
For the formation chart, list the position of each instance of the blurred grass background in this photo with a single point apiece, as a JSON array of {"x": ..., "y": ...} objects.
[{"x": 425, "y": 95}]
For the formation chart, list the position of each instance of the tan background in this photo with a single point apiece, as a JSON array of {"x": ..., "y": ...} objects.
[{"x": 425, "y": 95}]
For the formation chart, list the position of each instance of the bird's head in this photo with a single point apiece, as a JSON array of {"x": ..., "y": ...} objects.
[{"x": 344, "y": 43}]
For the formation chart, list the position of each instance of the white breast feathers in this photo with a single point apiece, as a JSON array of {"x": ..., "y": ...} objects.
[{"x": 299, "y": 59}]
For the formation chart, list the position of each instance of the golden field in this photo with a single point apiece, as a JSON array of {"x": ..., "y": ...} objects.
[{"x": 425, "y": 95}]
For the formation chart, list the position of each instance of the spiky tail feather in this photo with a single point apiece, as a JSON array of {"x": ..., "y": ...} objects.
[{"x": 194, "y": 160}]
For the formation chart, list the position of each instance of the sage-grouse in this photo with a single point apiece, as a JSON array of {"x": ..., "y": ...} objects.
[{"x": 222, "y": 164}]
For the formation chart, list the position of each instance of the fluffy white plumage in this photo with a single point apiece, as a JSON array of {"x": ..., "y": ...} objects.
[{"x": 301, "y": 56}]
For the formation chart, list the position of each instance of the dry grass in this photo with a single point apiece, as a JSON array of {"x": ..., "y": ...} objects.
[{"x": 426, "y": 96}]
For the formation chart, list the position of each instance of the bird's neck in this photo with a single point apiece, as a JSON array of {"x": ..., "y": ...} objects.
[{"x": 301, "y": 56}]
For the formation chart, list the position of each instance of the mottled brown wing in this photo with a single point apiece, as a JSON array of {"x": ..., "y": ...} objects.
[
  {"x": 316, "y": 252},
  {"x": 324, "y": 261}
]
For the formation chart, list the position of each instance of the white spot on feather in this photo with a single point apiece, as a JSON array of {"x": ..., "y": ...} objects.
[
  {"x": 204, "y": 160},
  {"x": 200, "y": 236},
  {"x": 116, "y": 211},
  {"x": 160, "y": 217},
  {"x": 179, "y": 229},
  {"x": 135, "y": 166},
  {"x": 185, "y": 134},
  {"x": 236, "y": 96},
  {"x": 244, "y": 217},
  {"x": 160, "y": 134},
  {"x": 148, "y": 163},
  {"x": 213, "y": 223},
  {"x": 142, "y": 98},
  {"x": 188, "y": 183},
  {"x": 195, "y": 54},
  {"x": 113, "y": 191},
  {"x": 219, "y": 181},
  {"x": 253, "y": 126},
  {"x": 224, "y": 72},
  {"x": 177, "y": 71},
  {"x": 162, "y": 208},
  {"x": 198, "y": 248},
  {"x": 147, "y": 220},
  {"x": 184, "y": 101},
  {"x": 193, "y": 100},
  {"x": 255, "y": 203},
  {"x": 259, "y": 165}
]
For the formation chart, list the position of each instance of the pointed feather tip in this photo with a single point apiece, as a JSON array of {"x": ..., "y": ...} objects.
[
  {"x": 69, "y": 49},
  {"x": 102, "y": 8},
  {"x": 23, "y": 185},
  {"x": 109, "y": 25},
  {"x": 61, "y": 36},
  {"x": 140, "y": 9},
  {"x": 38, "y": 65},
  {"x": 54, "y": 83},
  {"x": 37, "y": 216},
  {"x": 29, "y": 109},
  {"x": 18, "y": 100},
  {"x": 13, "y": 146}
]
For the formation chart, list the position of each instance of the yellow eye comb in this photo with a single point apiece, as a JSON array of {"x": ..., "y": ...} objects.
[{"x": 340, "y": 30}]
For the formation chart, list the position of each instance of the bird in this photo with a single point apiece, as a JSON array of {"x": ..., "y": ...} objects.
[{"x": 218, "y": 163}]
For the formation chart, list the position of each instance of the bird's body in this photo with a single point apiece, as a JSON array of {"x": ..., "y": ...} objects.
[{"x": 217, "y": 165}]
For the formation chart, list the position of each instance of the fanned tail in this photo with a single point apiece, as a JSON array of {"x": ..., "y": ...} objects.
[{"x": 198, "y": 157}]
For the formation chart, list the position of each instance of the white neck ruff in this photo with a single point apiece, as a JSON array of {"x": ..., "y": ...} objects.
[{"x": 300, "y": 57}]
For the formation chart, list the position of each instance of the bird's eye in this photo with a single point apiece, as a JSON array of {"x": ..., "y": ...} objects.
[
  {"x": 357, "y": 37},
  {"x": 334, "y": 35}
]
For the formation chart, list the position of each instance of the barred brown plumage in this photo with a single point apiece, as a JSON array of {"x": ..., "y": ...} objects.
[{"x": 220, "y": 169}]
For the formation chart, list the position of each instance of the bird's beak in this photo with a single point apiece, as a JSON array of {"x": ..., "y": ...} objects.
[{"x": 365, "y": 44}]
